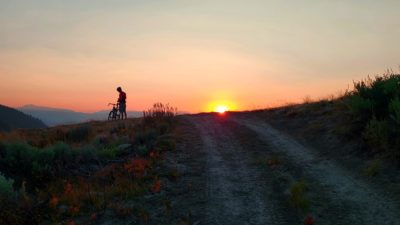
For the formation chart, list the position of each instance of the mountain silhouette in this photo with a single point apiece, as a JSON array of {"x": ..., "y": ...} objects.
[
  {"x": 11, "y": 118},
  {"x": 56, "y": 116}
]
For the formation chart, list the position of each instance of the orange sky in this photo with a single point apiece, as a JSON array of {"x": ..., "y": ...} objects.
[{"x": 191, "y": 54}]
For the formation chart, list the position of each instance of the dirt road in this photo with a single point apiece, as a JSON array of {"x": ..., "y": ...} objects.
[{"x": 227, "y": 160}]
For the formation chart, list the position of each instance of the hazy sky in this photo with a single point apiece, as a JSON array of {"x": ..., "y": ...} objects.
[{"x": 192, "y": 54}]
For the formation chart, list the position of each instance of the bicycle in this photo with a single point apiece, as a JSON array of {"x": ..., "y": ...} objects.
[{"x": 114, "y": 113}]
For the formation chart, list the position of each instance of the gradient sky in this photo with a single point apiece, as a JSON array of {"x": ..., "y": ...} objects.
[{"x": 192, "y": 54}]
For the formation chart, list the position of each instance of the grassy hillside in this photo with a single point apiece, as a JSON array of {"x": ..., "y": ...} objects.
[
  {"x": 12, "y": 119},
  {"x": 113, "y": 172},
  {"x": 366, "y": 118},
  {"x": 86, "y": 173}
]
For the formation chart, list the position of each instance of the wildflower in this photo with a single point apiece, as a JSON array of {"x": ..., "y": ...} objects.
[
  {"x": 54, "y": 202},
  {"x": 74, "y": 210},
  {"x": 67, "y": 188},
  {"x": 309, "y": 220},
  {"x": 153, "y": 155},
  {"x": 137, "y": 167},
  {"x": 156, "y": 186},
  {"x": 93, "y": 216}
]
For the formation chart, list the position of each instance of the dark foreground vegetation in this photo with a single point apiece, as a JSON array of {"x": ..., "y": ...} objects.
[
  {"x": 86, "y": 173},
  {"x": 375, "y": 108},
  {"x": 116, "y": 172},
  {"x": 368, "y": 117}
]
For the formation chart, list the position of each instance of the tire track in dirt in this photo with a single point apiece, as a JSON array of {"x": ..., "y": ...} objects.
[
  {"x": 234, "y": 189},
  {"x": 368, "y": 206}
]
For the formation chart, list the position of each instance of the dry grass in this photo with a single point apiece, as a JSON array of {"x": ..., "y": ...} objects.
[{"x": 94, "y": 186}]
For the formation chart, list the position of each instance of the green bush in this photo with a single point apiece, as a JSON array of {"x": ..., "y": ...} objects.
[
  {"x": 18, "y": 157},
  {"x": 378, "y": 93},
  {"x": 63, "y": 154},
  {"x": 361, "y": 107},
  {"x": 375, "y": 108},
  {"x": 108, "y": 153},
  {"x": 6, "y": 187},
  {"x": 42, "y": 165},
  {"x": 35, "y": 164}
]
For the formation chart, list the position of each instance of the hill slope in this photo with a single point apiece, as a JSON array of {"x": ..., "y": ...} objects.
[{"x": 11, "y": 118}]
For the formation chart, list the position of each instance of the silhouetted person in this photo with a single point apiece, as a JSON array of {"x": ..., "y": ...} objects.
[{"x": 122, "y": 102}]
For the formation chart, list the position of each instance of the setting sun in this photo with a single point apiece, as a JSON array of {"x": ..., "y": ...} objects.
[
  {"x": 221, "y": 109},
  {"x": 221, "y": 106}
]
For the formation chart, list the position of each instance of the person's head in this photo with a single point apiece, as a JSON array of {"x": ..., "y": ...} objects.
[{"x": 119, "y": 89}]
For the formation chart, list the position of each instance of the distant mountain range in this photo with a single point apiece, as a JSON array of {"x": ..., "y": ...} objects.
[
  {"x": 56, "y": 116},
  {"x": 11, "y": 119}
]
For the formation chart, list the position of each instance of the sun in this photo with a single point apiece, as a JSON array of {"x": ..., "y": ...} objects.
[
  {"x": 221, "y": 106},
  {"x": 221, "y": 109}
]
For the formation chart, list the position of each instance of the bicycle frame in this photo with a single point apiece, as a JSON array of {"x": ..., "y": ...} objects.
[{"x": 114, "y": 113}]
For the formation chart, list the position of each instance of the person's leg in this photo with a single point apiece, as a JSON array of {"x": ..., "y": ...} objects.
[{"x": 122, "y": 110}]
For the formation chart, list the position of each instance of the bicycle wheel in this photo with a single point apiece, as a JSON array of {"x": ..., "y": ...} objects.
[{"x": 111, "y": 115}]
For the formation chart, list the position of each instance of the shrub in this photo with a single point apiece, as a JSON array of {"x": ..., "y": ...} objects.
[
  {"x": 42, "y": 166},
  {"x": 108, "y": 153},
  {"x": 63, "y": 153},
  {"x": 6, "y": 187},
  {"x": 34, "y": 164},
  {"x": 375, "y": 107},
  {"x": 379, "y": 91},
  {"x": 52, "y": 161},
  {"x": 361, "y": 107},
  {"x": 18, "y": 157}
]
